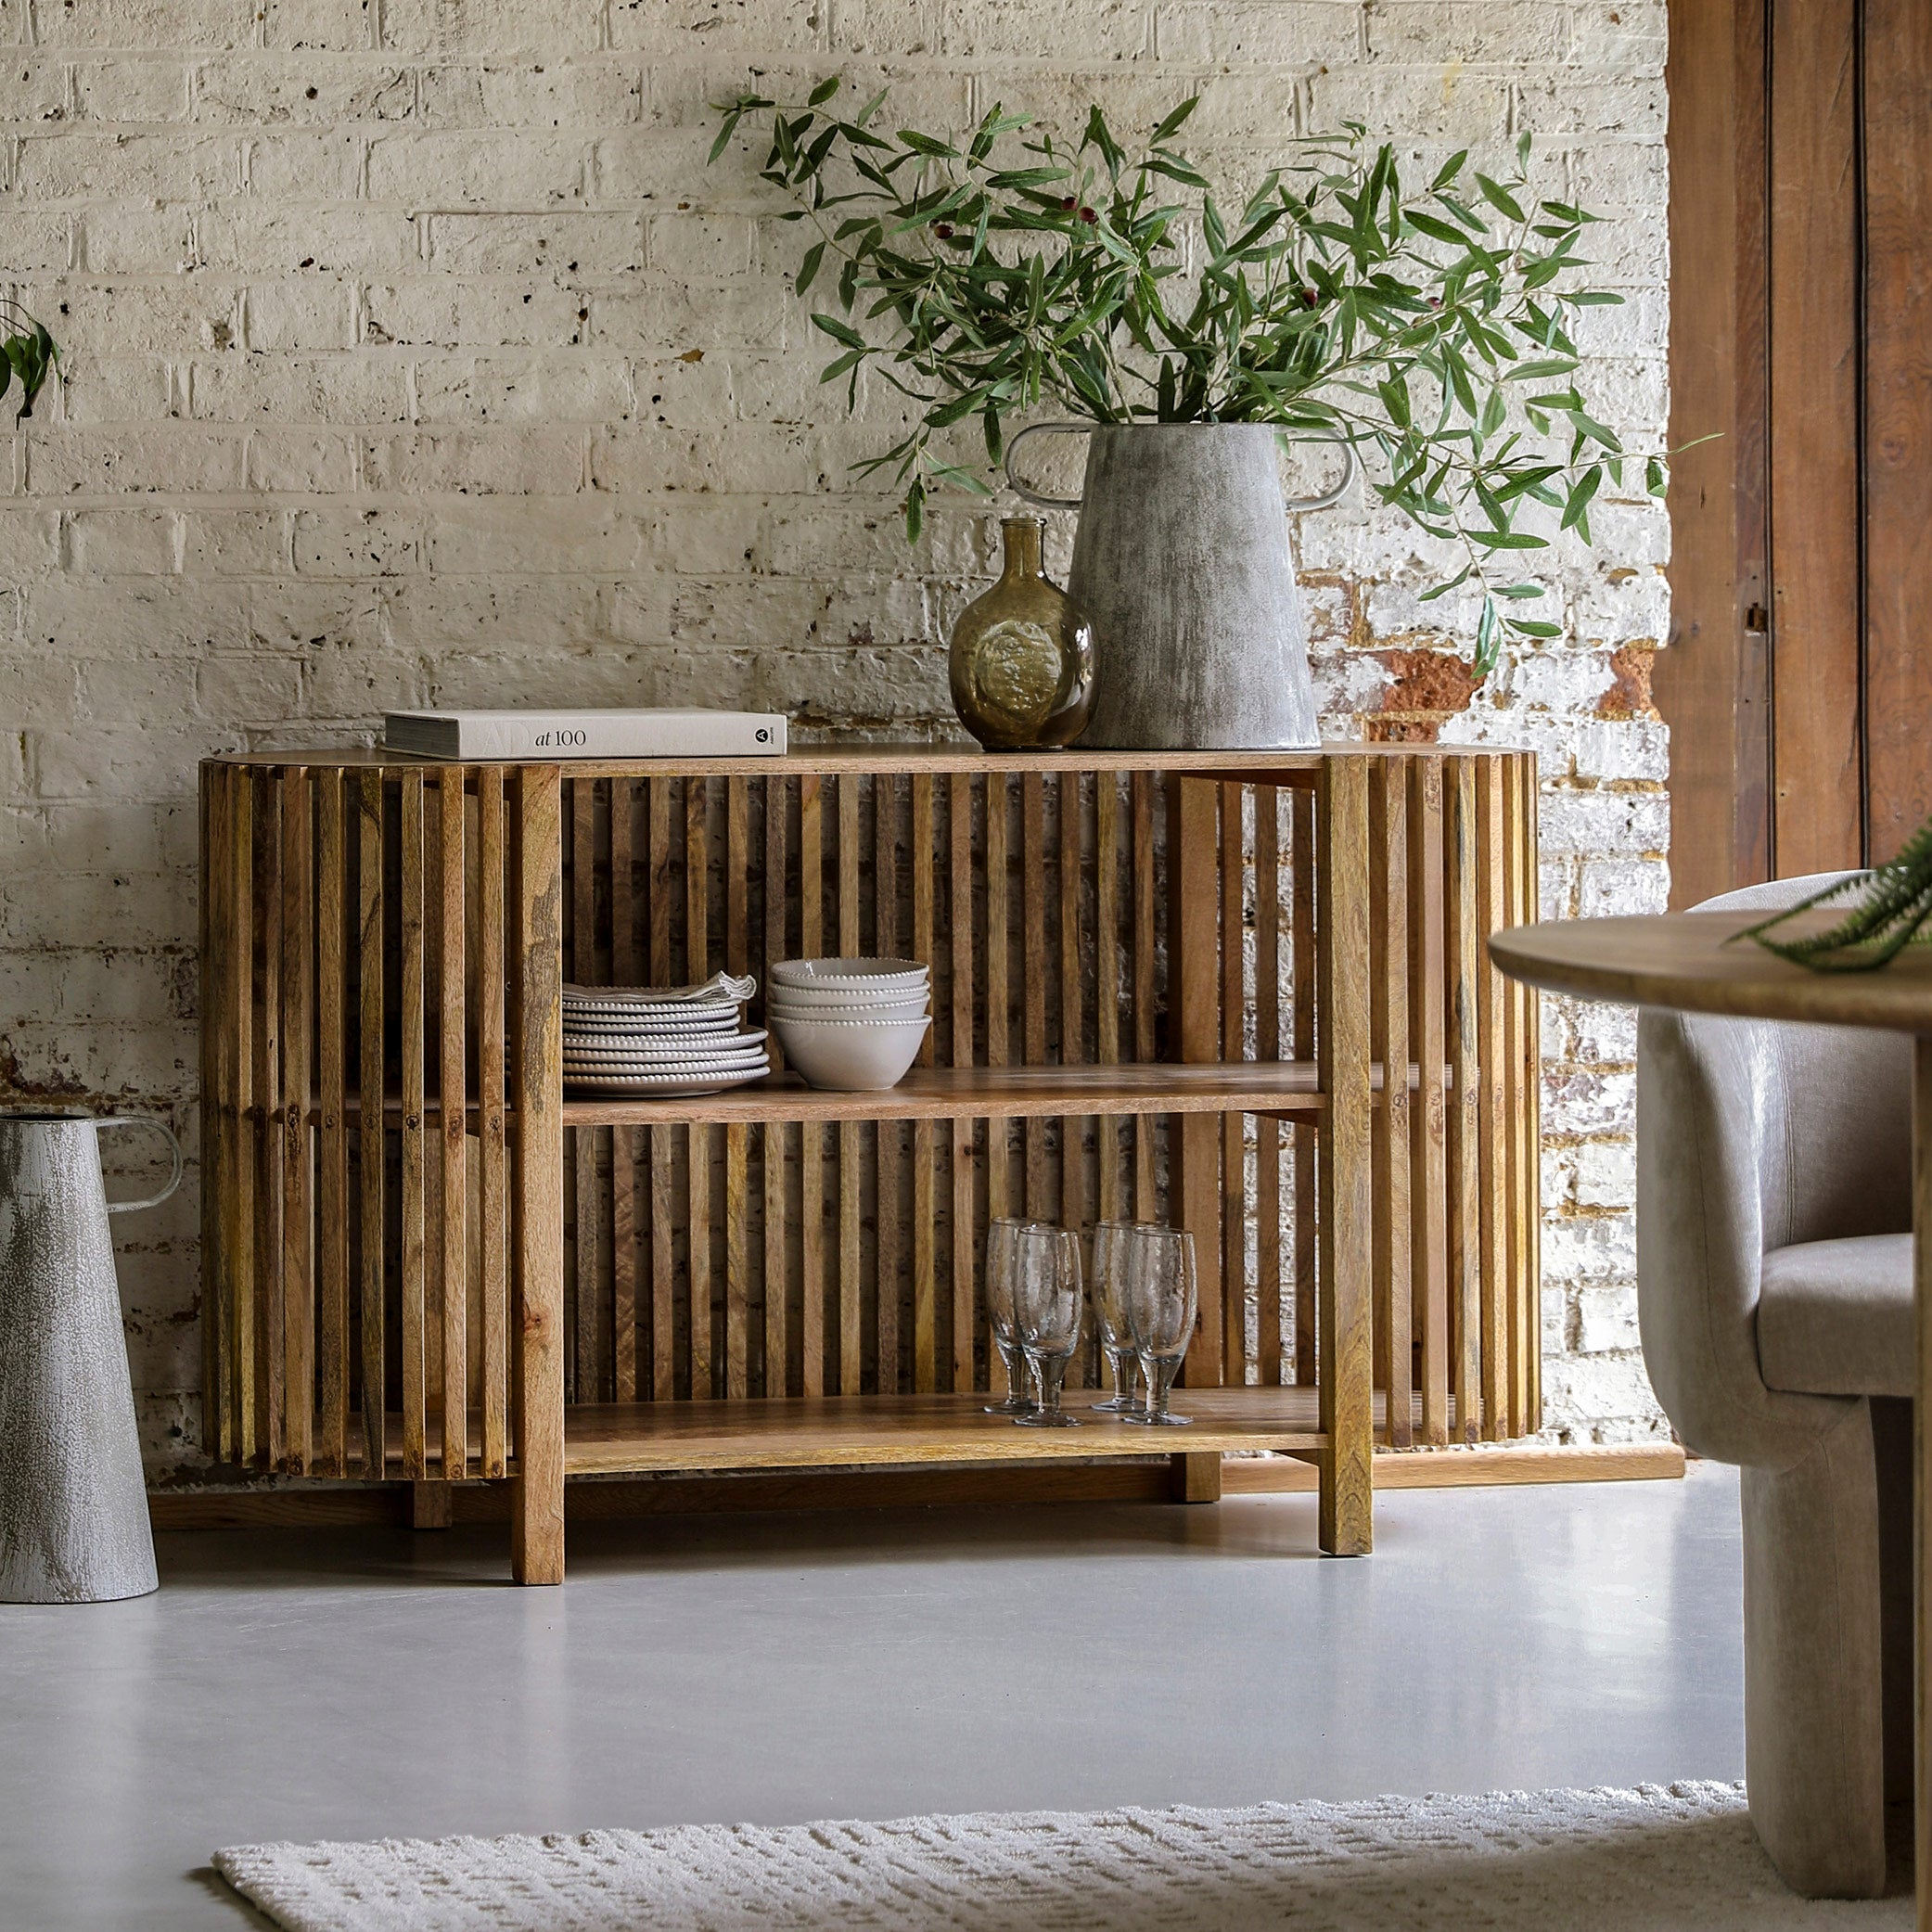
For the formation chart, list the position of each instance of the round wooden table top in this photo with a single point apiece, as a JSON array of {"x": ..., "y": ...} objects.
[{"x": 1696, "y": 963}]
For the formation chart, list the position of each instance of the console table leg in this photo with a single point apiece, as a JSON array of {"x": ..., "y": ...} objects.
[
  {"x": 537, "y": 1506},
  {"x": 1196, "y": 1476},
  {"x": 1344, "y": 1216},
  {"x": 431, "y": 1505}
]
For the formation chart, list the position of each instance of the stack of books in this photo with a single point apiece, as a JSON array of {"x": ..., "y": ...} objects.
[{"x": 531, "y": 737}]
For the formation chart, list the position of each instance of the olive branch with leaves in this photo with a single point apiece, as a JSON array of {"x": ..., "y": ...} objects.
[
  {"x": 27, "y": 356},
  {"x": 1428, "y": 328}
]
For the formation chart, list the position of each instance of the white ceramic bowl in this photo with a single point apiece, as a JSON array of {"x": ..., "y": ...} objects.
[
  {"x": 782, "y": 1006},
  {"x": 889, "y": 978},
  {"x": 836, "y": 1001},
  {"x": 850, "y": 1056}
]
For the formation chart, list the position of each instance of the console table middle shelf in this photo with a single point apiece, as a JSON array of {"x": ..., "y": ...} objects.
[{"x": 1166, "y": 986}]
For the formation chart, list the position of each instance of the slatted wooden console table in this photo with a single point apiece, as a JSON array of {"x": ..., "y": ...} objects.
[{"x": 1165, "y": 985}]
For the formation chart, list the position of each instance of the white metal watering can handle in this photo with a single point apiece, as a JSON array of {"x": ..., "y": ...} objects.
[
  {"x": 167, "y": 1132},
  {"x": 1323, "y": 502}
]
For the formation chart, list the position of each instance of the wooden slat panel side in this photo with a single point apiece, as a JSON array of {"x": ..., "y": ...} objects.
[
  {"x": 925, "y": 859},
  {"x": 537, "y": 1526},
  {"x": 965, "y": 1315},
  {"x": 1428, "y": 1174},
  {"x": 333, "y": 943},
  {"x": 1308, "y": 1148},
  {"x": 812, "y": 1137},
  {"x": 1896, "y": 444},
  {"x": 663, "y": 1292},
  {"x": 371, "y": 1078},
  {"x": 851, "y": 1137},
  {"x": 1817, "y": 796},
  {"x": 1346, "y": 1374},
  {"x": 1141, "y": 799},
  {"x": 1106, "y": 976},
  {"x": 1463, "y": 1110},
  {"x": 298, "y": 1313},
  {"x": 243, "y": 1293},
  {"x": 211, "y": 781},
  {"x": 1072, "y": 1033},
  {"x": 584, "y": 1382},
  {"x": 776, "y": 1274},
  {"x": 492, "y": 1145},
  {"x": 1268, "y": 1254},
  {"x": 1194, "y": 1020},
  {"x": 411, "y": 1017},
  {"x": 1234, "y": 1046},
  {"x": 1492, "y": 1100},
  {"x": 1390, "y": 1042},
  {"x": 454, "y": 1094},
  {"x": 1531, "y": 1083}
]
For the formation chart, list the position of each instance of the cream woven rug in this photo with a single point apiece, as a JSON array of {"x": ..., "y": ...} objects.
[{"x": 1678, "y": 1858}]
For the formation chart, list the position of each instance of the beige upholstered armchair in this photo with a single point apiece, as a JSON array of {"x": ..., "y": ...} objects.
[{"x": 1774, "y": 1288}]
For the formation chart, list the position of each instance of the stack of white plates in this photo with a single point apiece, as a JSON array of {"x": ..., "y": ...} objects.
[
  {"x": 851, "y": 1025},
  {"x": 644, "y": 1040}
]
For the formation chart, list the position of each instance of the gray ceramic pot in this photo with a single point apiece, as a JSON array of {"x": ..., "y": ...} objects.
[
  {"x": 73, "y": 1506},
  {"x": 1182, "y": 564}
]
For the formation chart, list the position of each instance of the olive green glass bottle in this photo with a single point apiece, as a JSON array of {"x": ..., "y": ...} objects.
[{"x": 1022, "y": 655}]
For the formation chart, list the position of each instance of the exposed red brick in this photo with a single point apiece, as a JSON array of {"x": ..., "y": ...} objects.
[
  {"x": 1630, "y": 696},
  {"x": 1426, "y": 680}
]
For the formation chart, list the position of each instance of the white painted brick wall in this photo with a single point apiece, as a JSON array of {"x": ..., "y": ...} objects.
[{"x": 416, "y": 356}]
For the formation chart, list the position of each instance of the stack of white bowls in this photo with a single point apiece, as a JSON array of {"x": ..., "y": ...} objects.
[{"x": 853, "y": 1026}]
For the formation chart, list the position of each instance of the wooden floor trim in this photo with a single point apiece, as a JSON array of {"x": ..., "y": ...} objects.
[{"x": 319, "y": 1506}]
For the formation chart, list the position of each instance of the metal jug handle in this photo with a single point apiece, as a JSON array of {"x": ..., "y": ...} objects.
[
  {"x": 167, "y": 1132},
  {"x": 1328, "y": 497},
  {"x": 1033, "y": 496}
]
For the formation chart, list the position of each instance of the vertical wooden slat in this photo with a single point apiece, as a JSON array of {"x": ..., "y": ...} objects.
[
  {"x": 414, "y": 1310},
  {"x": 370, "y": 1099},
  {"x": 662, "y": 1139},
  {"x": 1465, "y": 1102},
  {"x": 1817, "y": 805},
  {"x": 1107, "y": 974},
  {"x": 1141, "y": 796},
  {"x": 1428, "y": 1174},
  {"x": 737, "y": 959},
  {"x": 537, "y": 1525},
  {"x": 1194, "y": 1016},
  {"x": 1344, "y": 1325},
  {"x": 586, "y": 1383},
  {"x": 332, "y": 941},
  {"x": 1073, "y": 1130},
  {"x": 1389, "y": 1038},
  {"x": 812, "y": 1136},
  {"x": 298, "y": 1051},
  {"x": 1522, "y": 1326},
  {"x": 220, "y": 1021},
  {"x": 270, "y": 1434},
  {"x": 925, "y": 1313},
  {"x": 1233, "y": 1026},
  {"x": 1033, "y": 979},
  {"x": 960, "y": 1053},
  {"x": 253, "y": 1260},
  {"x": 772, "y": 1136},
  {"x": 1530, "y": 1079},
  {"x": 623, "y": 1140},
  {"x": 1309, "y": 1151},
  {"x": 852, "y": 1135},
  {"x": 998, "y": 998},
  {"x": 1492, "y": 1123},
  {"x": 1897, "y": 428},
  {"x": 885, "y": 940},
  {"x": 452, "y": 1087},
  {"x": 698, "y": 965},
  {"x": 1268, "y": 1047},
  {"x": 491, "y": 1135},
  {"x": 211, "y": 1011}
]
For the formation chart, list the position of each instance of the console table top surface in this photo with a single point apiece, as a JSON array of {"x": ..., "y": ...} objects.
[{"x": 846, "y": 755}]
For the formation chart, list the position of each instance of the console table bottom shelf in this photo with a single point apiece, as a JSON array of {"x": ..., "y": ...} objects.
[{"x": 841, "y": 1431}]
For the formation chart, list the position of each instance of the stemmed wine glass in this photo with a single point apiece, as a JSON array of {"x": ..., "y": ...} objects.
[
  {"x": 1047, "y": 1294},
  {"x": 1160, "y": 1310},
  {"x": 999, "y": 1314},
  {"x": 1112, "y": 1239}
]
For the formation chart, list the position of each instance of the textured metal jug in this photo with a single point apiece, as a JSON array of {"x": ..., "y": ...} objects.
[
  {"x": 1182, "y": 563},
  {"x": 73, "y": 1503}
]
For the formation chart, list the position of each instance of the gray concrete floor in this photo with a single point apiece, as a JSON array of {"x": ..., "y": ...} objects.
[{"x": 776, "y": 1669}]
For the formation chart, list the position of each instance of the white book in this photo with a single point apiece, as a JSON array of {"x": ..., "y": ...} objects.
[{"x": 534, "y": 735}]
